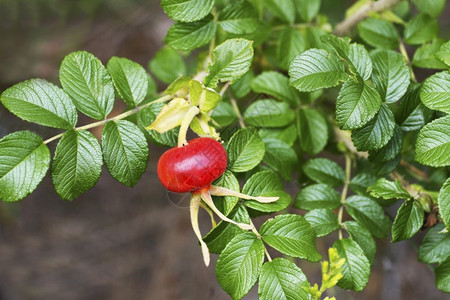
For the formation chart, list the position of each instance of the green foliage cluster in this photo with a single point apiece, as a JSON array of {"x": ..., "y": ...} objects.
[{"x": 323, "y": 99}]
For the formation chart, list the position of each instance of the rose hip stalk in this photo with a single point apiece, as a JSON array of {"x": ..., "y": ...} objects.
[{"x": 192, "y": 168}]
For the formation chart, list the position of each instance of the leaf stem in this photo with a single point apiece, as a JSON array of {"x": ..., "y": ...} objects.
[
  {"x": 255, "y": 231},
  {"x": 118, "y": 117},
  {"x": 348, "y": 168},
  {"x": 237, "y": 111},
  {"x": 405, "y": 55}
]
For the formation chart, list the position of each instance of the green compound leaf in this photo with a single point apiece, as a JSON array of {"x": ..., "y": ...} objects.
[
  {"x": 387, "y": 189},
  {"x": 227, "y": 203},
  {"x": 277, "y": 85},
  {"x": 378, "y": 33},
  {"x": 280, "y": 157},
  {"x": 435, "y": 92},
  {"x": 167, "y": 65},
  {"x": 323, "y": 221},
  {"x": 443, "y": 276},
  {"x": 411, "y": 113},
  {"x": 282, "y": 279},
  {"x": 130, "y": 80},
  {"x": 287, "y": 134},
  {"x": 291, "y": 235},
  {"x": 41, "y": 102},
  {"x": 266, "y": 183},
  {"x": 356, "y": 105},
  {"x": 433, "y": 143},
  {"x": 268, "y": 113},
  {"x": 363, "y": 238},
  {"x": 77, "y": 164},
  {"x": 425, "y": 56},
  {"x": 219, "y": 237},
  {"x": 232, "y": 59},
  {"x": 189, "y": 36},
  {"x": 147, "y": 116},
  {"x": 24, "y": 161},
  {"x": 245, "y": 150},
  {"x": 312, "y": 130},
  {"x": 187, "y": 10},
  {"x": 284, "y": 10},
  {"x": 323, "y": 170},
  {"x": 290, "y": 43},
  {"x": 435, "y": 247},
  {"x": 361, "y": 182},
  {"x": 125, "y": 151},
  {"x": 360, "y": 58},
  {"x": 307, "y": 9},
  {"x": 224, "y": 114},
  {"x": 377, "y": 132},
  {"x": 356, "y": 269},
  {"x": 239, "y": 264},
  {"x": 408, "y": 221},
  {"x": 432, "y": 7},
  {"x": 369, "y": 214},
  {"x": 87, "y": 82},
  {"x": 390, "y": 74},
  {"x": 239, "y": 18},
  {"x": 391, "y": 150},
  {"x": 316, "y": 69},
  {"x": 444, "y": 53},
  {"x": 317, "y": 196},
  {"x": 242, "y": 87},
  {"x": 444, "y": 203},
  {"x": 421, "y": 29}
]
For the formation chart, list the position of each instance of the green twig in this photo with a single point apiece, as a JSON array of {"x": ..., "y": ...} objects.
[{"x": 348, "y": 167}]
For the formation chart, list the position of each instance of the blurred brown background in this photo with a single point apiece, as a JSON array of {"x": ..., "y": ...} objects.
[{"x": 116, "y": 242}]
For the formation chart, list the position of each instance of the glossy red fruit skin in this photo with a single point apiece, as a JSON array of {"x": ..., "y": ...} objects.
[{"x": 192, "y": 167}]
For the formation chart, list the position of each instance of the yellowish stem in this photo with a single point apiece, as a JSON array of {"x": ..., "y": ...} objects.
[
  {"x": 221, "y": 191},
  {"x": 195, "y": 204}
]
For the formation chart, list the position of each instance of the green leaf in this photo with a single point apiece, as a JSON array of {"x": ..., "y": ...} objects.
[
  {"x": 239, "y": 264},
  {"x": 179, "y": 87},
  {"x": 425, "y": 56},
  {"x": 378, "y": 33},
  {"x": 315, "y": 69},
  {"x": 268, "y": 113},
  {"x": 411, "y": 113},
  {"x": 443, "y": 276},
  {"x": 130, "y": 80},
  {"x": 361, "y": 182},
  {"x": 387, "y": 189},
  {"x": 323, "y": 221},
  {"x": 308, "y": 9},
  {"x": 324, "y": 170},
  {"x": 421, "y": 29},
  {"x": 77, "y": 164},
  {"x": 24, "y": 161},
  {"x": 444, "y": 203},
  {"x": 147, "y": 116},
  {"x": 245, "y": 150},
  {"x": 189, "y": 36},
  {"x": 218, "y": 238},
  {"x": 242, "y": 87},
  {"x": 239, "y": 18},
  {"x": 360, "y": 58},
  {"x": 377, "y": 132},
  {"x": 282, "y": 279},
  {"x": 368, "y": 213},
  {"x": 435, "y": 92},
  {"x": 284, "y": 10},
  {"x": 291, "y": 235},
  {"x": 432, "y": 7},
  {"x": 408, "y": 221},
  {"x": 224, "y": 114},
  {"x": 363, "y": 238},
  {"x": 266, "y": 183},
  {"x": 356, "y": 105},
  {"x": 280, "y": 157},
  {"x": 391, "y": 150},
  {"x": 390, "y": 74},
  {"x": 317, "y": 196},
  {"x": 287, "y": 134},
  {"x": 227, "y": 203},
  {"x": 87, "y": 82},
  {"x": 356, "y": 269},
  {"x": 277, "y": 85},
  {"x": 444, "y": 53},
  {"x": 187, "y": 10},
  {"x": 433, "y": 143},
  {"x": 232, "y": 59},
  {"x": 41, "y": 102},
  {"x": 206, "y": 98},
  {"x": 125, "y": 151},
  {"x": 167, "y": 65},
  {"x": 435, "y": 247},
  {"x": 312, "y": 130},
  {"x": 290, "y": 43}
]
